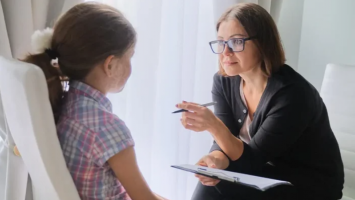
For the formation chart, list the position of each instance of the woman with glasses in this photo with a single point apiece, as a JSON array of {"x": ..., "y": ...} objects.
[{"x": 268, "y": 120}]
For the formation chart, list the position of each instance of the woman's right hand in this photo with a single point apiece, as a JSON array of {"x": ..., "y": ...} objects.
[{"x": 216, "y": 160}]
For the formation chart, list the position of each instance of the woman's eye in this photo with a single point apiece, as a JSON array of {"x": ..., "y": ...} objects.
[{"x": 237, "y": 42}]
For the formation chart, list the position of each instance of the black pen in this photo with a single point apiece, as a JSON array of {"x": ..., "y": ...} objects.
[{"x": 204, "y": 105}]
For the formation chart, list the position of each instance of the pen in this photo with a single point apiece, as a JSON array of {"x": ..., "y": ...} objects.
[{"x": 204, "y": 105}]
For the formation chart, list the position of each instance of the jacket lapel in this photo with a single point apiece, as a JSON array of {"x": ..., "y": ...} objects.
[
  {"x": 274, "y": 84},
  {"x": 240, "y": 110}
]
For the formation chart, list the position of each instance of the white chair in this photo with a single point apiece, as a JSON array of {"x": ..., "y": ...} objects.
[
  {"x": 338, "y": 93},
  {"x": 14, "y": 180},
  {"x": 29, "y": 115}
]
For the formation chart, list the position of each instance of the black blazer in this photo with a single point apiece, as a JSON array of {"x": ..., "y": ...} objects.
[{"x": 291, "y": 136}]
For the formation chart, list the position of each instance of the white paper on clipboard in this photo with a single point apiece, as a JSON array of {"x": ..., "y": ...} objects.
[{"x": 259, "y": 183}]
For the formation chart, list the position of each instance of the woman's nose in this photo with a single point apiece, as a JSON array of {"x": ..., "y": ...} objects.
[{"x": 227, "y": 51}]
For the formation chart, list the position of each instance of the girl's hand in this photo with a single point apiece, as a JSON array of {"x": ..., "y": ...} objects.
[{"x": 198, "y": 118}]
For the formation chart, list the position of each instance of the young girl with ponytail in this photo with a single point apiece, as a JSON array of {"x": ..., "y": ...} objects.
[{"x": 90, "y": 48}]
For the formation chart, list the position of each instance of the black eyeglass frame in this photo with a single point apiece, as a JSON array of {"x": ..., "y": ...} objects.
[{"x": 228, "y": 45}]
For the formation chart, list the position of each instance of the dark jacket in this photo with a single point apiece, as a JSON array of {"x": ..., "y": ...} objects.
[{"x": 291, "y": 136}]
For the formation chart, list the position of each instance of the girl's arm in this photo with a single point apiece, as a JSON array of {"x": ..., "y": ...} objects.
[{"x": 125, "y": 166}]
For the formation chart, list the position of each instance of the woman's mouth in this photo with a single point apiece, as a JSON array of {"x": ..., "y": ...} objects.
[{"x": 227, "y": 63}]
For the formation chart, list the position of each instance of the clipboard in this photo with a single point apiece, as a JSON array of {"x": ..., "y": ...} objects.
[
  {"x": 205, "y": 172},
  {"x": 259, "y": 183}
]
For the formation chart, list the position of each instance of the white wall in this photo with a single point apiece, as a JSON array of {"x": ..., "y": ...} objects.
[
  {"x": 328, "y": 36},
  {"x": 289, "y": 25}
]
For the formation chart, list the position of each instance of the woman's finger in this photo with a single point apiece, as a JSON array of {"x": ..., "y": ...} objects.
[
  {"x": 192, "y": 127},
  {"x": 210, "y": 161},
  {"x": 206, "y": 179},
  {"x": 194, "y": 116},
  {"x": 210, "y": 183},
  {"x": 190, "y": 103},
  {"x": 201, "y": 163},
  {"x": 184, "y": 114},
  {"x": 190, "y": 107},
  {"x": 201, "y": 177},
  {"x": 191, "y": 121}
]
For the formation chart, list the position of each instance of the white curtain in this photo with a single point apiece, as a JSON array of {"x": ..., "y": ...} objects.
[
  {"x": 20, "y": 18},
  {"x": 173, "y": 62}
]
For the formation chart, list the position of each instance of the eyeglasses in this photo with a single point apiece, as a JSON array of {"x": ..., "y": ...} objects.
[{"x": 234, "y": 44}]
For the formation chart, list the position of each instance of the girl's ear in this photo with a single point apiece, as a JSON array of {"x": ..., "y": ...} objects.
[{"x": 107, "y": 66}]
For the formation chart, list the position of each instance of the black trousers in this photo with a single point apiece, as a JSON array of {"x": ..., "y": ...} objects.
[{"x": 230, "y": 191}]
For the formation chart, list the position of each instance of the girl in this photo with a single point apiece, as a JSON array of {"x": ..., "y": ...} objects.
[
  {"x": 91, "y": 47},
  {"x": 269, "y": 121}
]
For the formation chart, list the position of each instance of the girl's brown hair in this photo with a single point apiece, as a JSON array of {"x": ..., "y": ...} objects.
[
  {"x": 258, "y": 22},
  {"x": 83, "y": 37}
]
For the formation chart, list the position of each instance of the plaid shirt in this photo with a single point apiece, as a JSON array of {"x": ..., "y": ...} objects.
[{"x": 89, "y": 135}]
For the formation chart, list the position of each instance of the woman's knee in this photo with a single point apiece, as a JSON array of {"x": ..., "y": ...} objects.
[{"x": 206, "y": 193}]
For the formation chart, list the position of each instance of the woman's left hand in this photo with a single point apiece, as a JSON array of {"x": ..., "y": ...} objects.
[{"x": 198, "y": 118}]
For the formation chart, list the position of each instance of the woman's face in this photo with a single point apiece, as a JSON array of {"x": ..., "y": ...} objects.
[
  {"x": 122, "y": 71},
  {"x": 235, "y": 63}
]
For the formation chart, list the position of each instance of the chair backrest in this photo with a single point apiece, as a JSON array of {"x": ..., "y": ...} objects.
[
  {"x": 338, "y": 93},
  {"x": 29, "y": 115}
]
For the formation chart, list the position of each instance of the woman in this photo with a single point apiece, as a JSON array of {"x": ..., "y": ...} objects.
[
  {"x": 269, "y": 121},
  {"x": 92, "y": 45}
]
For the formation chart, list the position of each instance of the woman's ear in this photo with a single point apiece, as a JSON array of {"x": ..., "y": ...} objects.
[{"x": 108, "y": 65}]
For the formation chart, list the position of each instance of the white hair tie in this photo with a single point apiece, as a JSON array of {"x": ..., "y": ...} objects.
[
  {"x": 41, "y": 43},
  {"x": 41, "y": 40}
]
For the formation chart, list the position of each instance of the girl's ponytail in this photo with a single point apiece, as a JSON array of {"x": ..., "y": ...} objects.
[{"x": 46, "y": 59}]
